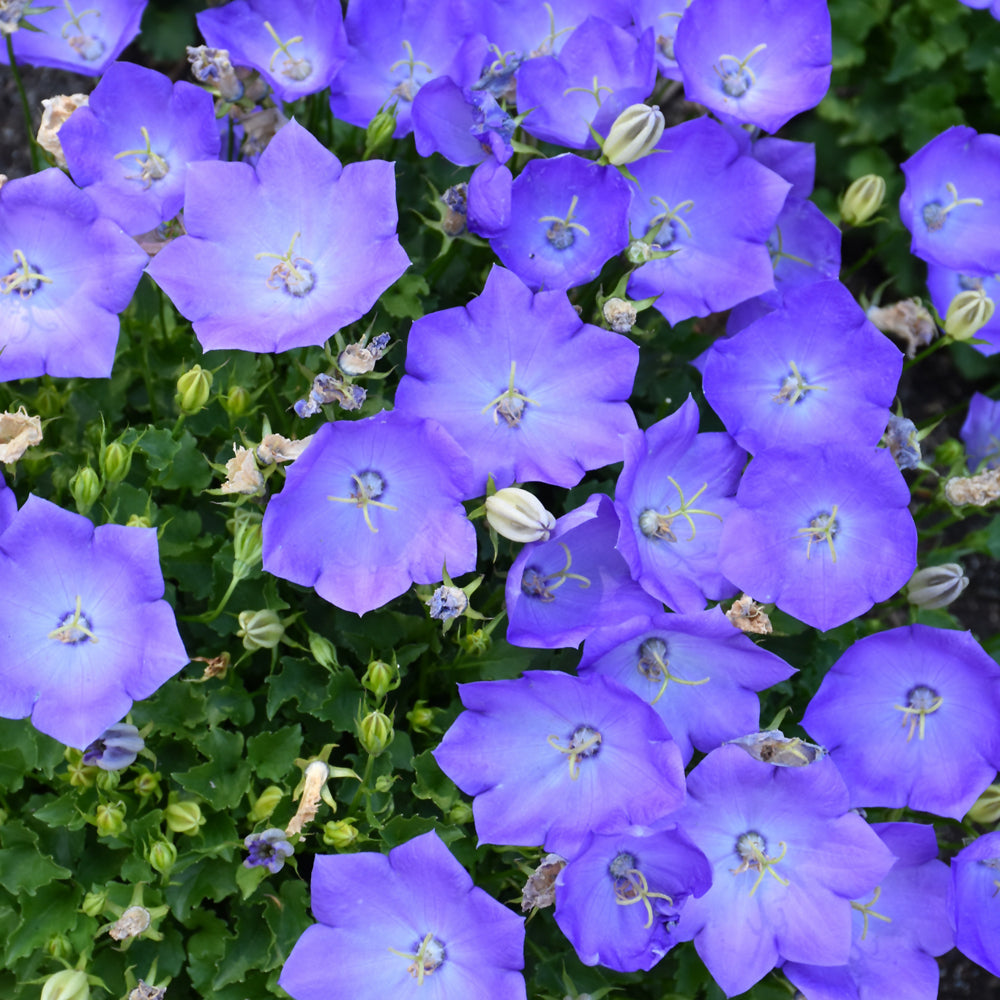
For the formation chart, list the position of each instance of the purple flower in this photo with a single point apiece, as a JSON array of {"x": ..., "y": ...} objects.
[
  {"x": 788, "y": 857},
  {"x": 568, "y": 218},
  {"x": 699, "y": 673},
  {"x": 369, "y": 508},
  {"x": 115, "y": 748},
  {"x": 619, "y": 898},
  {"x": 86, "y": 38},
  {"x": 296, "y": 47},
  {"x": 84, "y": 625},
  {"x": 912, "y": 718},
  {"x": 712, "y": 210},
  {"x": 756, "y": 61},
  {"x": 551, "y": 757},
  {"x": 975, "y": 874},
  {"x": 992, "y": 5},
  {"x": 65, "y": 274},
  {"x": 672, "y": 496},
  {"x": 465, "y": 126},
  {"x": 951, "y": 203},
  {"x": 664, "y": 17},
  {"x": 390, "y": 924},
  {"x": 396, "y": 46},
  {"x": 981, "y": 432},
  {"x": 532, "y": 393},
  {"x": 897, "y": 929},
  {"x": 599, "y": 72},
  {"x": 822, "y": 533},
  {"x": 944, "y": 284},
  {"x": 130, "y": 146},
  {"x": 268, "y": 849},
  {"x": 489, "y": 199},
  {"x": 792, "y": 378},
  {"x": 284, "y": 255},
  {"x": 560, "y": 590}
]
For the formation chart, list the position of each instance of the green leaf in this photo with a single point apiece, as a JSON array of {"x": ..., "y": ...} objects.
[
  {"x": 23, "y": 867},
  {"x": 432, "y": 783},
  {"x": 224, "y": 779},
  {"x": 271, "y": 754},
  {"x": 403, "y": 300},
  {"x": 246, "y": 951},
  {"x": 50, "y": 910}
]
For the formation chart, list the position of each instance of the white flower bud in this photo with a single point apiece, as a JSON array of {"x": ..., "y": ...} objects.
[
  {"x": 634, "y": 134},
  {"x": 862, "y": 199},
  {"x": 936, "y": 586},
  {"x": 518, "y": 515},
  {"x": 968, "y": 313}
]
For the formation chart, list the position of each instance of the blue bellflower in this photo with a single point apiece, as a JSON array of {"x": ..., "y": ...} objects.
[{"x": 268, "y": 849}]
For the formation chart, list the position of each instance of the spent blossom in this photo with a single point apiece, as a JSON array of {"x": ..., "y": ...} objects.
[
  {"x": 18, "y": 432},
  {"x": 55, "y": 112},
  {"x": 268, "y": 849}
]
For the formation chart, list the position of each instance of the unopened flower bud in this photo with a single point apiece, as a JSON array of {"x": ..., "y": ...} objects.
[
  {"x": 378, "y": 135},
  {"x": 949, "y": 452},
  {"x": 375, "y": 732},
  {"x": 248, "y": 539},
  {"x": 94, "y": 902},
  {"x": 193, "y": 390},
  {"x": 620, "y": 315},
  {"x": 339, "y": 834},
  {"x": 634, "y": 134},
  {"x": 476, "y": 643},
  {"x": 266, "y": 803},
  {"x": 115, "y": 461},
  {"x": 968, "y": 313},
  {"x": 324, "y": 652},
  {"x": 862, "y": 199},
  {"x": 85, "y": 486},
  {"x": 58, "y": 946},
  {"x": 260, "y": 629},
  {"x": 518, "y": 515},
  {"x": 421, "y": 716},
  {"x": 49, "y": 402},
  {"x": 107, "y": 781},
  {"x": 146, "y": 783},
  {"x": 380, "y": 678},
  {"x": 237, "y": 401},
  {"x": 460, "y": 814},
  {"x": 162, "y": 856},
  {"x": 138, "y": 521},
  {"x": 110, "y": 819},
  {"x": 70, "y": 984},
  {"x": 986, "y": 809},
  {"x": 183, "y": 817},
  {"x": 936, "y": 586}
]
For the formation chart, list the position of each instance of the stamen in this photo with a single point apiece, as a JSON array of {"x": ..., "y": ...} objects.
[
  {"x": 659, "y": 527},
  {"x": 935, "y": 213},
  {"x": 560, "y": 233},
  {"x": 22, "y": 279},
  {"x": 294, "y": 69},
  {"x": 654, "y": 665},
  {"x": 547, "y": 43},
  {"x": 751, "y": 847},
  {"x": 778, "y": 253},
  {"x": 369, "y": 486},
  {"x": 75, "y": 629},
  {"x": 87, "y": 46},
  {"x": 407, "y": 89},
  {"x": 669, "y": 217},
  {"x": 823, "y": 527},
  {"x": 594, "y": 90},
  {"x": 510, "y": 404},
  {"x": 534, "y": 584},
  {"x": 295, "y": 274},
  {"x": 585, "y": 741},
  {"x": 154, "y": 166},
  {"x": 866, "y": 909},
  {"x": 794, "y": 387},
  {"x": 427, "y": 958},
  {"x": 921, "y": 701},
  {"x": 631, "y": 886},
  {"x": 737, "y": 80}
]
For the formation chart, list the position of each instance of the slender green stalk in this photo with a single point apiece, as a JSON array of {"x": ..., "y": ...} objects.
[{"x": 25, "y": 107}]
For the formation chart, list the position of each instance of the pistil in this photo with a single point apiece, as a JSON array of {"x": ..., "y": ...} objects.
[{"x": 369, "y": 486}]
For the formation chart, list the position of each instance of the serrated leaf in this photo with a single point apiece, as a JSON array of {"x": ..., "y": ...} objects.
[
  {"x": 24, "y": 868},
  {"x": 271, "y": 754},
  {"x": 225, "y": 778},
  {"x": 432, "y": 783}
]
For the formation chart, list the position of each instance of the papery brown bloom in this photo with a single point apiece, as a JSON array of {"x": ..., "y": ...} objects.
[{"x": 18, "y": 432}]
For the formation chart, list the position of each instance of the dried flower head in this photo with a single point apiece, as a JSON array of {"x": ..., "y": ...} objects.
[
  {"x": 55, "y": 111},
  {"x": 540, "y": 889},
  {"x": 312, "y": 791},
  {"x": 748, "y": 616},
  {"x": 242, "y": 474},
  {"x": 130, "y": 924},
  {"x": 18, "y": 432},
  {"x": 909, "y": 320},
  {"x": 975, "y": 490},
  {"x": 277, "y": 449}
]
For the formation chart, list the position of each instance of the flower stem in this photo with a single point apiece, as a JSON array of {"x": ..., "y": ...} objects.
[{"x": 25, "y": 107}]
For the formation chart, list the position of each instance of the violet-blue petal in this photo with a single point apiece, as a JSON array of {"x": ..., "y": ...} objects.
[
  {"x": 944, "y": 284},
  {"x": 530, "y": 392},
  {"x": 569, "y": 216},
  {"x": 663, "y": 16},
  {"x": 489, "y": 199},
  {"x": 912, "y": 717},
  {"x": 369, "y": 508},
  {"x": 972, "y": 901},
  {"x": 981, "y": 432}
]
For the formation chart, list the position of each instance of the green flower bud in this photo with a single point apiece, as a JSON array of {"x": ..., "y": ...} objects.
[
  {"x": 476, "y": 643},
  {"x": 420, "y": 717},
  {"x": 110, "y": 819},
  {"x": 936, "y": 586},
  {"x": 86, "y": 488},
  {"x": 949, "y": 452},
  {"x": 138, "y": 521},
  {"x": 70, "y": 984},
  {"x": 375, "y": 732},
  {"x": 162, "y": 856},
  {"x": 237, "y": 401},
  {"x": 266, "y": 803},
  {"x": 862, "y": 199},
  {"x": 260, "y": 629},
  {"x": 107, "y": 781},
  {"x": 380, "y": 678},
  {"x": 634, "y": 134},
  {"x": 81, "y": 775},
  {"x": 58, "y": 946},
  {"x": 460, "y": 813},
  {"x": 146, "y": 783},
  {"x": 986, "y": 809},
  {"x": 248, "y": 543},
  {"x": 378, "y": 135},
  {"x": 115, "y": 462},
  {"x": 184, "y": 817},
  {"x": 519, "y": 515},
  {"x": 49, "y": 402},
  {"x": 94, "y": 903},
  {"x": 193, "y": 389},
  {"x": 339, "y": 834},
  {"x": 324, "y": 652},
  {"x": 968, "y": 313}
]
